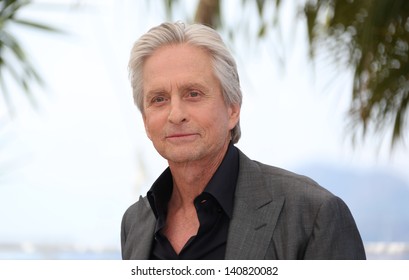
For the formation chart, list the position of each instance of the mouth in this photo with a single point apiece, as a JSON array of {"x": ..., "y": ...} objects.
[{"x": 181, "y": 137}]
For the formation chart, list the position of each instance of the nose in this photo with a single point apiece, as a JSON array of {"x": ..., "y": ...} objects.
[{"x": 177, "y": 113}]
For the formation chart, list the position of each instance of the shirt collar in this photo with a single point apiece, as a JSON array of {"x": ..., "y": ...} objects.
[
  {"x": 160, "y": 192},
  {"x": 223, "y": 183},
  {"x": 221, "y": 186}
]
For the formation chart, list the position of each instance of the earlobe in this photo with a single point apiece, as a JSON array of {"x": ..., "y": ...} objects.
[
  {"x": 234, "y": 111},
  {"x": 234, "y": 114}
]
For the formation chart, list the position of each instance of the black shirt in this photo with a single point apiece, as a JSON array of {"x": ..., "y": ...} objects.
[{"x": 214, "y": 207}]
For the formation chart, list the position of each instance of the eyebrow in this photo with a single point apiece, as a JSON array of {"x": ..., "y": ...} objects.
[
  {"x": 154, "y": 92},
  {"x": 183, "y": 87},
  {"x": 191, "y": 85}
]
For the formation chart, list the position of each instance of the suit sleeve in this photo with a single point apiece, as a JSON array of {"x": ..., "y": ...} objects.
[
  {"x": 123, "y": 232},
  {"x": 335, "y": 234}
]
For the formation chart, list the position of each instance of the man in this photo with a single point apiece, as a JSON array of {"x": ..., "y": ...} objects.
[{"x": 213, "y": 202}]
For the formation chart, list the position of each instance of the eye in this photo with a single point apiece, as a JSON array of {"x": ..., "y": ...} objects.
[
  {"x": 158, "y": 99},
  {"x": 193, "y": 94}
]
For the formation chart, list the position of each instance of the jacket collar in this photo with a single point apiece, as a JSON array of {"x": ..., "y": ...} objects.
[{"x": 255, "y": 214}]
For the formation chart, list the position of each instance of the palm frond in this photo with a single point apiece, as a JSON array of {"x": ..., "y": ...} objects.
[
  {"x": 376, "y": 34},
  {"x": 13, "y": 59}
]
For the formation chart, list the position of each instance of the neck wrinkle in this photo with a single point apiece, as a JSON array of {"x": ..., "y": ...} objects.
[{"x": 190, "y": 179}]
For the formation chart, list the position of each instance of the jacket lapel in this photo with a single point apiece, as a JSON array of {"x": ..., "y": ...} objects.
[
  {"x": 255, "y": 214},
  {"x": 140, "y": 238}
]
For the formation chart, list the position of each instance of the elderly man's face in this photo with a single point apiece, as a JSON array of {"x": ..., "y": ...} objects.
[{"x": 185, "y": 114}]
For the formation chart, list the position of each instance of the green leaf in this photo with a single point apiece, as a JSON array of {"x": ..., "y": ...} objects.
[
  {"x": 36, "y": 25},
  {"x": 260, "y": 7},
  {"x": 16, "y": 63}
]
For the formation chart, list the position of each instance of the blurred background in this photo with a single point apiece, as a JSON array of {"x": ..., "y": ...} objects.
[{"x": 325, "y": 87}]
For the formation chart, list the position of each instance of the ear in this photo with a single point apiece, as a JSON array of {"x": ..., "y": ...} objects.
[{"x": 234, "y": 115}]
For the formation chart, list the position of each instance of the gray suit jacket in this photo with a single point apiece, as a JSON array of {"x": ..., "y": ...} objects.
[{"x": 277, "y": 215}]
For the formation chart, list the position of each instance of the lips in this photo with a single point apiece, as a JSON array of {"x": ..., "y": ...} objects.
[
  {"x": 183, "y": 137},
  {"x": 180, "y": 135}
]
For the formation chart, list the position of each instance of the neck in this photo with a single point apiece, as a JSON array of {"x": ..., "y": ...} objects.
[{"x": 190, "y": 179}]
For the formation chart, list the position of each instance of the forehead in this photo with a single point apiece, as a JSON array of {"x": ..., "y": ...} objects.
[{"x": 177, "y": 61}]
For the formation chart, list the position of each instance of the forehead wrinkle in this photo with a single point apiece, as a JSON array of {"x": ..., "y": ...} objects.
[
  {"x": 159, "y": 89},
  {"x": 182, "y": 86}
]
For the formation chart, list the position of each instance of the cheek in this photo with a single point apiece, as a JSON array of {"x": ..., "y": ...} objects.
[
  {"x": 147, "y": 130},
  {"x": 154, "y": 125},
  {"x": 148, "y": 126},
  {"x": 218, "y": 124}
]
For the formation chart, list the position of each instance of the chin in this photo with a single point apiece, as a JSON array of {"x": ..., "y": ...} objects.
[{"x": 181, "y": 156}]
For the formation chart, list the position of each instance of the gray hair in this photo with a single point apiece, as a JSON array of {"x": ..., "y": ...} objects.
[{"x": 198, "y": 35}]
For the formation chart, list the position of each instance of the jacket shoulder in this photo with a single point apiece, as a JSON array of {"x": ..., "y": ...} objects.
[
  {"x": 137, "y": 228},
  {"x": 281, "y": 181},
  {"x": 313, "y": 223},
  {"x": 139, "y": 210}
]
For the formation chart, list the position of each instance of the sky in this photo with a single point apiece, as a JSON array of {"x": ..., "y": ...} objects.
[{"x": 71, "y": 168}]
